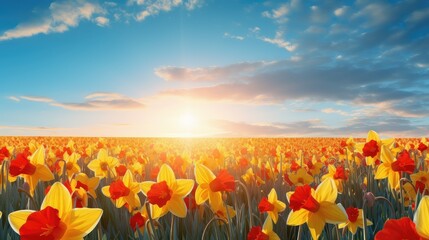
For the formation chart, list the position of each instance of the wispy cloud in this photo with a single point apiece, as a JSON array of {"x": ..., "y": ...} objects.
[
  {"x": 13, "y": 98},
  {"x": 93, "y": 101},
  {"x": 102, "y": 101},
  {"x": 61, "y": 17},
  {"x": 236, "y": 37},
  {"x": 280, "y": 42},
  {"x": 279, "y": 14},
  {"x": 152, "y": 8},
  {"x": 37, "y": 99}
]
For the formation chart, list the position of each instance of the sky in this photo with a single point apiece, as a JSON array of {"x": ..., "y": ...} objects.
[{"x": 214, "y": 68}]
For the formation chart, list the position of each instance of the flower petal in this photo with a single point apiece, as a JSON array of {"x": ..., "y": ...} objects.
[
  {"x": 421, "y": 216},
  {"x": 145, "y": 186},
  {"x": 268, "y": 225},
  {"x": 166, "y": 174},
  {"x": 203, "y": 174},
  {"x": 326, "y": 191},
  {"x": 332, "y": 213},
  {"x": 82, "y": 221},
  {"x": 183, "y": 187},
  {"x": 201, "y": 195},
  {"x": 43, "y": 173},
  {"x": 382, "y": 171},
  {"x": 18, "y": 218},
  {"x": 315, "y": 223},
  {"x": 296, "y": 218},
  {"x": 38, "y": 156},
  {"x": 59, "y": 198},
  {"x": 272, "y": 196},
  {"x": 177, "y": 207},
  {"x": 105, "y": 191}
]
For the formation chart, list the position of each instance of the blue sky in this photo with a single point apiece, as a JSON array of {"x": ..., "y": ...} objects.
[{"x": 214, "y": 68}]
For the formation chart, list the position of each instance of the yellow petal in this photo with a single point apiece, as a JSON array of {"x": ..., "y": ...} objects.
[
  {"x": 421, "y": 216},
  {"x": 105, "y": 191},
  {"x": 280, "y": 206},
  {"x": 382, "y": 171},
  {"x": 315, "y": 223},
  {"x": 183, "y": 187},
  {"x": 203, "y": 174},
  {"x": 386, "y": 155},
  {"x": 353, "y": 227},
  {"x": 274, "y": 215},
  {"x": 128, "y": 178},
  {"x": 342, "y": 225},
  {"x": 326, "y": 191},
  {"x": 296, "y": 218},
  {"x": 120, "y": 202},
  {"x": 145, "y": 186},
  {"x": 393, "y": 179},
  {"x": 201, "y": 195},
  {"x": 272, "y": 196},
  {"x": 158, "y": 212},
  {"x": 166, "y": 174},
  {"x": 177, "y": 207},
  {"x": 43, "y": 173},
  {"x": 38, "y": 156},
  {"x": 332, "y": 213},
  {"x": 59, "y": 198},
  {"x": 372, "y": 135},
  {"x": 102, "y": 154},
  {"x": 18, "y": 218},
  {"x": 82, "y": 221},
  {"x": 268, "y": 225}
]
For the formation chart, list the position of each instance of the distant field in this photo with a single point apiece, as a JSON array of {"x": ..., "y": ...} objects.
[{"x": 234, "y": 188}]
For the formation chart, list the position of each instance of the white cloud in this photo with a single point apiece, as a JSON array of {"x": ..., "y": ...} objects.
[
  {"x": 280, "y": 42},
  {"x": 255, "y": 29},
  {"x": 192, "y": 4},
  {"x": 336, "y": 111},
  {"x": 278, "y": 14},
  {"x": 62, "y": 16},
  {"x": 13, "y": 98},
  {"x": 340, "y": 11},
  {"x": 237, "y": 37},
  {"x": 419, "y": 15},
  {"x": 157, "y": 6},
  {"x": 102, "y": 21}
]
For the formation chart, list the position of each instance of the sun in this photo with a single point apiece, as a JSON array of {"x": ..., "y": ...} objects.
[{"x": 188, "y": 120}]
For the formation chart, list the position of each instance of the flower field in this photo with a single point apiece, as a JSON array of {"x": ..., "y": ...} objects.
[{"x": 236, "y": 188}]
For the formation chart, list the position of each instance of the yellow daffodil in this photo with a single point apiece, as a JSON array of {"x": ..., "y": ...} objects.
[
  {"x": 391, "y": 168},
  {"x": 221, "y": 211},
  {"x": 104, "y": 165},
  {"x": 124, "y": 191},
  {"x": 56, "y": 219},
  {"x": 272, "y": 205},
  {"x": 301, "y": 177},
  {"x": 32, "y": 169},
  {"x": 167, "y": 193},
  {"x": 204, "y": 177},
  {"x": 421, "y": 217},
  {"x": 372, "y": 147},
  {"x": 339, "y": 174},
  {"x": 420, "y": 180},
  {"x": 355, "y": 220},
  {"x": 71, "y": 164},
  {"x": 315, "y": 207}
]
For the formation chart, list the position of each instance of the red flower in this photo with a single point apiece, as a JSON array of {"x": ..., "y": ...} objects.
[
  {"x": 422, "y": 147},
  {"x": 302, "y": 198},
  {"x": 265, "y": 206},
  {"x": 403, "y": 163},
  {"x": 371, "y": 149},
  {"x": 117, "y": 189},
  {"x": 154, "y": 172},
  {"x": 4, "y": 153},
  {"x": 121, "y": 170},
  {"x": 43, "y": 225},
  {"x": 21, "y": 165},
  {"x": 137, "y": 220},
  {"x": 340, "y": 173},
  {"x": 352, "y": 213},
  {"x": 402, "y": 228},
  {"x": 159, "y": 194},
  {"x": 243, "y": 162},
  {"x": 223, "y": 182},
  {"x": 256, "y": 234}
]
